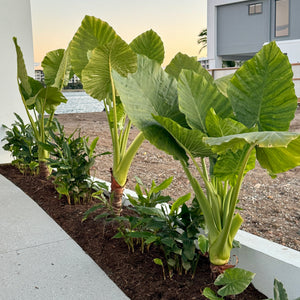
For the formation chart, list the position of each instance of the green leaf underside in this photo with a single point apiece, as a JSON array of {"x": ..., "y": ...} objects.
[
  {"x": 229, "y": 165},
  {"x": 57, "y": 68},
  {"x": 92, "y": 33},
  {"x": 151, "y": 91},
  {"x": 264, "y": 139},
  {"x": 217, "y": 127},
  {"x": 280, "y": 159},
  {"x": 115, "y": 55},
  {"x": 196, "y": 96},
  {"x": 262, "y": 91},
  {"x": 149, "y": 44},
  {"x": 53, "y": 98},
  {"x": 222, "y": 84},
  {"x": 235, "y": 281},
  {"x": 189, "y": 139}
]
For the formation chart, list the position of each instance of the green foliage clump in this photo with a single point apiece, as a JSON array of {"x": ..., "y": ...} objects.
[
  {"x": 174, "y": 228},
  {"x": 71, "y": 159},
  {"x": 20, "y": 141}
]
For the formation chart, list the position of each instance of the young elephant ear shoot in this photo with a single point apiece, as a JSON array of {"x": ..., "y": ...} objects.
[{"x": 221, "y": 127}]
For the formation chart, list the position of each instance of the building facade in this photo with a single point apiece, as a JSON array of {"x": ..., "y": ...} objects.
[
  {"x": 237, "y": 29},
  {"x": 15, "y": 20}
]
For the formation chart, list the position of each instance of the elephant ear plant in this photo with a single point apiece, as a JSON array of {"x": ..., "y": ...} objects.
[
  {"x": 39, "y": 99},
  {"x": 96, "y": 50},
  {"x": 229, "y": 123}
]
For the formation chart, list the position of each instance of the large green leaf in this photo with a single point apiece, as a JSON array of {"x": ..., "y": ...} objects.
[
  {"x": 149, "y": 44},
  {"x": 216, "y": 126},
  {"x": 229, "y": 164},
  {"x": 262, "y": 91},
  {"x": 150, "y": 91},
  {"x": 222, "y": 84},
  {"x": 52, "y": 97},
  {"x": 276, "y": 151},
  {"x": 57, "y": 68},
  {"x": 264, "y": 139},
  {"x": 92, "y": 33},
  {"x": 280, "y": 159},
  {"x": 96, "y": 76},
  {"x": 196, "y": 96},
  {"x": 189, "y": 139},
  {"x": 21, "y": 69},
  {"x": 235, "y": 281},
  {"x": 184, "y": 62}
]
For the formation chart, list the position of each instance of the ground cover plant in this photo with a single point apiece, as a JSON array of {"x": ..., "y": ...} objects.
[
  {"x": 95, "y": 51},
  {"x": 232, "y": 121},
  {"x": 21, "y": 143}
]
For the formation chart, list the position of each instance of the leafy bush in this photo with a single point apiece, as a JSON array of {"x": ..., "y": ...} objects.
[
  {"x": 234, "y": 282},
  {"x": 221, "y": 127},
  {"x": 22, "y": 145},
  {"x": 150, "y": 197},
  {"x": 153, "y": 221},
  {"x": 71, "y": 159},
  {"x": 39, "y": 99}
]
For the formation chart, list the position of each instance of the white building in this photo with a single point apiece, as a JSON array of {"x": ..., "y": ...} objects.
[
  {"x": 39, "y": 75},
  {"x": 15, "y": 20},
  {"x": 237, "y": 29}
]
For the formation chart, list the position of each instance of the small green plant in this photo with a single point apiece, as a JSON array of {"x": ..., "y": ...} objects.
[
  {"x": 159, "y": 262},
  {"x": 279, "y": 291},
  {"x": 173, "y": 228},
  {"x": 71, "y": 159},
  {"x": 234, "y": 282},
  {"x": 21, "y": 143},
  {"x": 39, "y": 100},
  {"x": 152, "y": 197}
]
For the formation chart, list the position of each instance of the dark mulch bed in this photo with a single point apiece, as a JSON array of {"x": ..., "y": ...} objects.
[{"x": 135, "y": 273}]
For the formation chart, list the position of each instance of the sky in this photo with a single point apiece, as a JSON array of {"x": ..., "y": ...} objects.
[{"x": 177, "y": 22}]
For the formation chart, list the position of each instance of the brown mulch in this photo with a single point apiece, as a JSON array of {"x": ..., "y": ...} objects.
[
  {"x": 270, "y": 207},
  {"x": 135, "y": 273}
]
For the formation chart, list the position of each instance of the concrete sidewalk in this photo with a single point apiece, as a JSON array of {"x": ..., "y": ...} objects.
[{"x": 38, "y": 260}]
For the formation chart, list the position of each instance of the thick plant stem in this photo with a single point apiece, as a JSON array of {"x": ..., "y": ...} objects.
[
  {"x": 43, "y": 170},
  {"x": 116, "y": 195}
]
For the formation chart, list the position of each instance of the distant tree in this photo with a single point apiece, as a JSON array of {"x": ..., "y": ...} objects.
[{"x": 202, "y": 39}]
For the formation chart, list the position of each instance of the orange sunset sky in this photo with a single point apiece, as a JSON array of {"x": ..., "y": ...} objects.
[{"x": 177, "y": 22}]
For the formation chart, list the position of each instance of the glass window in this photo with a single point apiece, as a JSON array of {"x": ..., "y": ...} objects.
[
  {"x": 282, "y": 17},
  {"x": 255, "y": 8}
]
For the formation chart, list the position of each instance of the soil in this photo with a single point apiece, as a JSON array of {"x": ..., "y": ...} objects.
[{"x": 135, "y": 273}]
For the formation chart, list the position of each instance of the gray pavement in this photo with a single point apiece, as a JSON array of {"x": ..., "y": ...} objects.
[{"x": 38, "y": 260}]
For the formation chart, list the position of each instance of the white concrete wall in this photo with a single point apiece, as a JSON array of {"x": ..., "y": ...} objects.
[
  {"x": 15, "y": 20},
  {"x": 269, "y": 260}
]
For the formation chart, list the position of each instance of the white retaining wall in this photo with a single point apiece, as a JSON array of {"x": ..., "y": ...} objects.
[{"x": 15, "y": 20}]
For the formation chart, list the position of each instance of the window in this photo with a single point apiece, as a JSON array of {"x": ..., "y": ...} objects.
[
  {"x": 282, "y": 17},
  {"x": 255, "y": 8}
]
